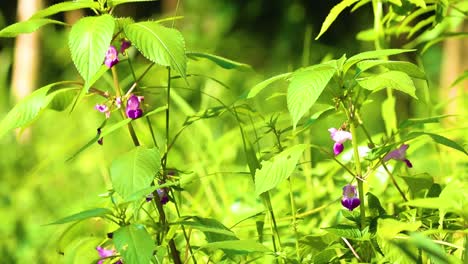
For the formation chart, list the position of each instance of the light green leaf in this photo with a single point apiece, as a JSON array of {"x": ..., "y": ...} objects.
[
  {"x": 440, "y": 140},
  {"x": 455, "y": 35},
  {"x": 420, "y": 25},
  {"x": 238, "y": 246},
  {"x": 29, "y": 108},
  {"x": 102, "y": 70},
  {"x": 89, "y": 41},
  {"x": 162, "y": 45},
  {"x": 460, "y": 79},
  {"x": 220, "y": 61},
  {"x": 403, "y": 66},
  {"x": 388, "y": 228},
  {"x": 113, "y": 3},
  {"x": 134, "y": 170},
  {"x": 262, "y": 85},
  {"x": 436, "y": 253},
  {"x": 345, "y": 231},
  {"x": 305, "y": 88},
  {"x": 375, "y": 54},
  {"x": 389, "y": 115},
  {"x": 97, "y": 212},
  {"x": 392, "y": 79},
  {"x": 334, "y": 12},
  {"x": 277, "y": 169},
  {"x": 63, "y": 7},
  {"x": 420, "y": 3},
  {"x": 419, "y": 122},
  {"x": 27, "y": 26},
  {"x": 134, "y": 244},
  {"x": 214, "y": 230}
]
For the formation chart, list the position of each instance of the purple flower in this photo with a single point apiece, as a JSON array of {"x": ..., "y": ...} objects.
[
  {"x": 103, "y": 109},
  {"x": 163, "y": 197},
  {"x": 111, "y": 57},
  {"x": 118, "y": 102},
  {"x": 106, "y": 253},
  {"x": 339, "y": 136},
  {"x": 125, "y": 45},
  {"x": 399, "y": 154},
  {"x": 350, "y": 198},
  {"x": 133, "y": 110}
]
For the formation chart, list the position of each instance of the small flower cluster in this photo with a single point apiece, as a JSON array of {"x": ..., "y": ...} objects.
[
  {"x": 132, "y": 111},
  {"x": 106, "y": 253},
  {"x": 112, "y": 55},
  {"x": 162, "y": 194}
]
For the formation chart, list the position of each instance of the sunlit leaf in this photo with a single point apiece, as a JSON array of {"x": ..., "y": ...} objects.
[
  {"x": 389, "y": 114},
  {"x": 392, "y": 79},
  {"x": 333, "y": 14},
  {"x": 65, "y": 6},
  {"x": 89, "y": 41},
  {"x": 277, "y": 169},
  {"x": 419, "y": 122},
  {"x": 375, "y": 54},
  {"x": 134, "y": 244},
  {"x": 27, "y": 26},
  {"x": 97, "y": 212},
  {"x": 159, "y": 44},
  {"x": 119, "y": 2},
  {"x": 213, "y": 230},
  {"x": 262, "y": 85},
  {"x": 238, "y": 246},
  {"x": 403, "y": 66},
  {"x": 220, "y": 61},
  {"x": 350, "y": 232},
  {"x": 439, "y": 140},
  {"x": 134, "y": 170},
  {"x": 305, "y": 88}
]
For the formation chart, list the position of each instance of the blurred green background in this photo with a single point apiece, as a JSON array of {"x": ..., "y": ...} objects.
[{"x": 38, "y": 186}]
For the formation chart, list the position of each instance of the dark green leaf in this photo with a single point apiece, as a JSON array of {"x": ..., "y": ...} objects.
[
  {"x": 375, "y": 207},
  {"x": 238, "y": 246},
  {"x": 134, "y": 170},
  {"x": 305, "y": 88},
  {"x": 418, "y": 183},
  {"x": 134, "y": 244},
  {"x": 350, "y": 232},
  {"x": 277, "y": 169},
  {"x": 97, "y": 212},
  {"x": 220, "y": 61},
  {"x": 214, "y": 230},
  {"x": 27, "y": 26}
]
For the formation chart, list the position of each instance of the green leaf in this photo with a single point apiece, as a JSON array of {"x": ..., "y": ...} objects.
[
  {"x": 62, "y": 99},
  {"x": 162, "y": 45},
  {"x": 29, "y": 108},
  {"x": 419, "y": 122},
  {"x": 134, "y": 244},
  {"x": 460, "y": 78},
  {"x": 334, "y": 12},
  {"x": 63, "y": 7},
  {"x": 262, "y": 85},
  {"x": 418, "y": 183},
  {"x": 103, "y": 69},
  {"x": 393, "y": 79},
  {"x": 114, "y": 3},
  {"x": 134, "y": 170},
  {"x": 388, "y": 228},
  {"x": 89, "y": 41},
  {"x": 425, "y": 244},
  {"x": 440, "y": 140},
  {"x": 27, "y": 26},
  {"x": 238, "y": 246},
  {"x": 305, "y": 88},
  {"x": 96, "y": 212},
  {"x": 277, "y": 169},
  {"x": 403, "y": 66},
  {"x": 220, "y": 61},
  {"x": 350, "y": 232},
  {"x": 214, "y": 230},
  {"x": 375, "y": 207},
  {"x": 375, "y": 54}
]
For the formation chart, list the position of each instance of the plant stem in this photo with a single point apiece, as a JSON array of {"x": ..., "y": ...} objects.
[
  {"x": 293, "y": 212},
  {"x": 359, "y": 179}
]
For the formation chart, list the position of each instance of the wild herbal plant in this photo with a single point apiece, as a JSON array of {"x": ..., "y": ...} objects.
[{"x": 150, "y": 217}]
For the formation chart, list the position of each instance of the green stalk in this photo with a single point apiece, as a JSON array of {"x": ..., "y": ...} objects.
[
  {"x": 293, "y": 212},
  {"x": 360, "y": 182}
]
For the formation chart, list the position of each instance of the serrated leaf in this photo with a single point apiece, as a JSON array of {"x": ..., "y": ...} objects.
[
  {"x": 89, "y": 41},
  {"x": 392, "y": 79},
  {"x": 220, "y": 61},
  {"x": 29, "y": 108},
  {"x": 262, "y": 85},
  {"x": 240, "y": 247},
  {"x": 134, "y": 170},
  {"x": 375, "y": 54},
  {"x": 403, "y": 66},
  {"x": 277, "y": 169},
  {"x": 134, "y": 244},
  {"x": 27, "y": 26},
  {"x": 159, "y": 44},
  {"x": 96, "y": 212},
  {"x": 63, "y": 7},
  {"x": 334, "y": 12},
  {"x": 305, "y": 88},
  {"x": 350, "y": 232}
]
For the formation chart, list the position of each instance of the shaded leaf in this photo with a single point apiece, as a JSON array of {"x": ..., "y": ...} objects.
[
  {"x": 134, "y": 170},
  {"x": 213, "y": 229},
  {"x": 393, "y": 79},
  {"x": 134, "y": 244},
  {"x": 305, "y": 88},
  {"x": 97, "y": 212},
  {"x": 89, "y": 41},
  {"x": 27, "y": 26},
  {"x": 277, "y": 169},
  {"x": 220, "y": 61},
  {"x": 159, "y": 44},
  {"x": 418, "y": 183},
  {"x": 240, "y": 247}
]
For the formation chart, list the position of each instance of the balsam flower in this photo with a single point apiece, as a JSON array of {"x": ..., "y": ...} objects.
[
  {"x": 133, "y": 109},
  {"x": 339, "y": 136},
  {"x": 350, "y": 198},
  {"x": 103, "y": 109},
  {"x": 111, "y": 57},
  {"x": 162, "y": 194},
  {"x": 399, "y": 154},
  {"x": 125, "y": 44},
  {"x": 106, "y": 253}
]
